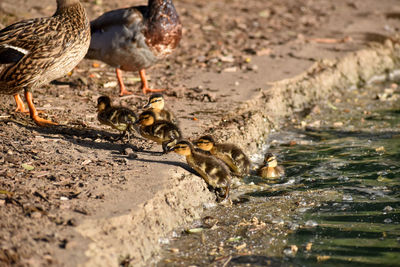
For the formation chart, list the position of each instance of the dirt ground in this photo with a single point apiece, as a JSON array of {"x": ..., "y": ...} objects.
[{"x": 58, "y": 185}]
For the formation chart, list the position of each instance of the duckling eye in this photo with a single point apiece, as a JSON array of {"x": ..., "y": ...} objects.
[{"x": 155, "y": 100}]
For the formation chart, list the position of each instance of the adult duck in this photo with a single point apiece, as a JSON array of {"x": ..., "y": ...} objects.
[
  {"x": 135, "y": 38},
  {"x": 36, "y": 51}
]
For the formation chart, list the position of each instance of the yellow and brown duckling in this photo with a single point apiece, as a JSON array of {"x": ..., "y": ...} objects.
[
  {"x": 231, "y": 154},
  {"x": 161, "y": 131},
  {"x": 271, "y": 168},
  {"x": 136, "y": 38},
  {"x": 119, "y": 118},
  {"x": 214, "y": 172},
  {"x": 36, "y": 51},
  {"x": 156, "y": 104}
]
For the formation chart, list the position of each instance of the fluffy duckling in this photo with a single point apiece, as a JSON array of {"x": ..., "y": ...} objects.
[
  {"x": 163, "y": 132},
  {"x": 119, "y": 118},
  {"x": 156, "y": 104},
  {"x": 213, "y": 171},
  {"x": 231, "y": 154},
  {"x": 135, "y": 38},
  {"x": 271, "y": 168},
  {"x": 36, "y": 51}
]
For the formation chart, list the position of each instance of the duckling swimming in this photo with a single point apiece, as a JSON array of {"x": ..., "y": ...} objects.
[
  {"x": 212, "y": 170},
  {"x": 161, "y": 131},
  {"x": 231, "y": 154},
  {"x": 119, "y": 118},
  {"x": 156, "y": 104},
  {"x": 271, "y": 168}
]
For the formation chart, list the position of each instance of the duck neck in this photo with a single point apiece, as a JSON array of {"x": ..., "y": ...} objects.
[{"x": 61, "y": 4}]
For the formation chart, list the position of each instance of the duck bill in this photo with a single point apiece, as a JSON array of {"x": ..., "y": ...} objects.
[{"x": 148, "y": 105}]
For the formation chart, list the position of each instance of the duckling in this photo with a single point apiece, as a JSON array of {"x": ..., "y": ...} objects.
[
  {"x": 156, "y": 104},
  {"x": 271, "y": 168},
  {"x": 163, "y": 132},
  {"x": 231, "y": 154},
  {"x": 36, "y": 51},
  {"x": 136, "y": 38},
  {"x": 119, "y": 118},
  {"x": 212, "y": 170}
]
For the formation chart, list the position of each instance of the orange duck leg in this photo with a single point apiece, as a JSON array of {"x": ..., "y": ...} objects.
[
  {"x": 122, "y": 89},
  {"x": 145, "y": 85},
  {"x": 20, "y": 104},
  {"x": 34, "y": 113}
]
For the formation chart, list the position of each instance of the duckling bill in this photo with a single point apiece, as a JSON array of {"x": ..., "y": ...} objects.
[
  {"x": 271, "y": 168},
  {"x": 212, "y": 170},
  {"x": 231, "y": 154},
  {"x": 161, "y": 131},
  {"x": 119, "y": 118}
]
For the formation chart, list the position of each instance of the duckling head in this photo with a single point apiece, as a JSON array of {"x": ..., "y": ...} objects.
[
  {"x": 103, "y": 102},
  {"x": 270, "y": 160},
  {"x": 156, "y": 101},
  {"x": 183, "y": 147},
  {"x": 205, "y": 142},
  {"x": 146, "y": 118}
]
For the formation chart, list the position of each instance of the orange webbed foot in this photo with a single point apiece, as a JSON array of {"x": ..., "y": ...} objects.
[{"x": 43, "y": 122}]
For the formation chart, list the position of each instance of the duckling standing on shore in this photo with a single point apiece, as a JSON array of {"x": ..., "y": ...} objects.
[
  {"x": 163, "y": 132},
  {"x": 156, "y": 104},
  {"x": 212, "y": 170},
  {"x": 271, "y": 168},
  {"x": 231, "y": 154},
  {"x": 119, "y": 118},
  {"x": 136, "y": 38},
  {"x": 36, "y": 51}
]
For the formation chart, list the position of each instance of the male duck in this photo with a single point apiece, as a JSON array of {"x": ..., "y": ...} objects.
[
  {"x": 36, "y": 51},
  {"x": 135, "y": 38}
]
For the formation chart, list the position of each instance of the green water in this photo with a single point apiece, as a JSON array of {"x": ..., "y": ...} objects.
[{"x": 338, "y": 205}]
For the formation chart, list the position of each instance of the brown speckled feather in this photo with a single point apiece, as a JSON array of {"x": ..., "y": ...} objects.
[{"x": 39, "y": 50}]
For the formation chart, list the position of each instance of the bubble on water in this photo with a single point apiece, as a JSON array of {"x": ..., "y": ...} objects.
[
  {"x": 343, "y": 178},
  {"x": 311, "y": 223},
  {"x": 388, "y": 220},
  {"x": 347, "y": 197},
  {"x": 387, "y": 208}
]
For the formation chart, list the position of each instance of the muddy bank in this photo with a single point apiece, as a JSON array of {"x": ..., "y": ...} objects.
[{"x": 86, "y": 202}]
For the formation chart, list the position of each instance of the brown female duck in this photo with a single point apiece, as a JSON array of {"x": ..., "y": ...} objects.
[
  {"x": 214, "y": 172},
  {"x": 135, "y": 38},
  {"x": 36, "y": 51},
  {"x": 231, "y": 154}
]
